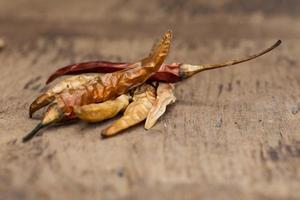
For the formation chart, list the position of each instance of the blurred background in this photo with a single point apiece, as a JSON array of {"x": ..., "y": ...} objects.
[
  {"x": 193, "y": 21},
  {"x": 233, "y": 133}
]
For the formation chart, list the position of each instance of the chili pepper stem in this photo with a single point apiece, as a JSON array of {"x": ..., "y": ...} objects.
[
  {"x": 187, "y": 70},
  {"x": 32, "y": 133},
  {"x": 52, "y": 115}
]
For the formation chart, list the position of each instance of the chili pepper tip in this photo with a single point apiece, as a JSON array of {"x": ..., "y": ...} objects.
[{"x": 103, "y": 137}]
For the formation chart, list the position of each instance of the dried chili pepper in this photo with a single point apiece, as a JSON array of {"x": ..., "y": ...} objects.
[
  {"x": 136, "y": 112},
  {"x": 165, "y": 97},
  {"x": 101, "y": 111},
  {"x": 100, "y": 88},
  {"x": 98, "y": 97},
  {"x": 167, "y": 73},
  {"x": 144, "y": 106},
  {"x": 75, "y": 82}
]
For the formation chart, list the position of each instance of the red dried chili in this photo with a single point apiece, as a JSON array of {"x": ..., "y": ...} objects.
[{"x": 167, "y": 73}]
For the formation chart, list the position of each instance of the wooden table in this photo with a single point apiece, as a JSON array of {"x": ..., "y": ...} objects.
[{"x": 233, "y": 133}]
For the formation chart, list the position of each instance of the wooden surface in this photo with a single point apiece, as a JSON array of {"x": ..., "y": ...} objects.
[{"x": 232, "y": 134}]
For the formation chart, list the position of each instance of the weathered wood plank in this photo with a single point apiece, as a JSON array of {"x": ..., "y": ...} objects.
[{"x": 232, "y": 134}]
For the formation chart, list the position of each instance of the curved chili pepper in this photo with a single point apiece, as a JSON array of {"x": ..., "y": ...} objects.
[
  {"x": 167, "y": 73},
  {"x": 98, "y": 112}
]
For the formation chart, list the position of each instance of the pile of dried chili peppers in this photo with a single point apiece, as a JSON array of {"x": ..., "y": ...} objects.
[{"x": 140, "y": 90}]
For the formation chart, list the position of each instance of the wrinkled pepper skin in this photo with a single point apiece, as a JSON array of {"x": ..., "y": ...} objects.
[
  {"x": 111, "y": 85},
  {"x": 165, "y": 96},
  {"x": 48, "y": 97},
  {"x": 108, "y": 86},
  {"x": 166, "y": 73},
  {"x": 136, "y": 112}
]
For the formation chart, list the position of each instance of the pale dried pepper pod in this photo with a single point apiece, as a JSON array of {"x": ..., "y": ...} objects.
[
  {"x": 136, "y": 112},
  {"x": 73, "y": 82},
  {"x": 165, "y": 97},
  {"x": 98, "y": 112}
]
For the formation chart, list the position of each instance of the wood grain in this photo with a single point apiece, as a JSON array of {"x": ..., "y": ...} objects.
[{"x": 232, "y": 134}]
